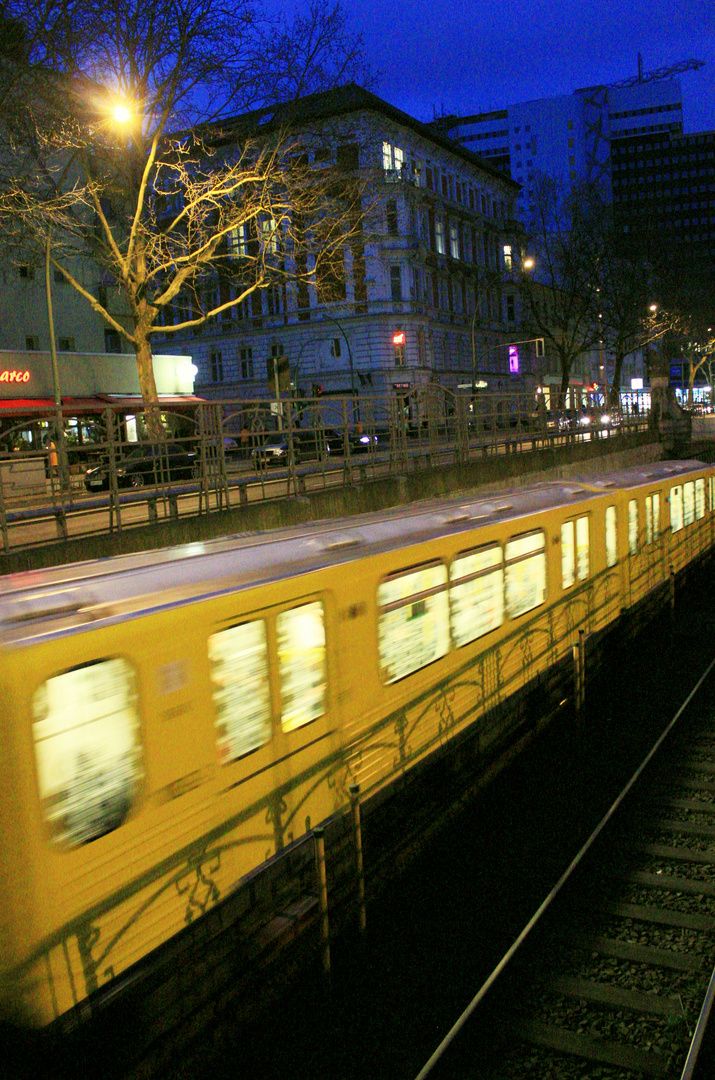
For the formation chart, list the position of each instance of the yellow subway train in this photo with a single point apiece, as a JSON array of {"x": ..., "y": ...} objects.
[{"x": 171, "y": 720}]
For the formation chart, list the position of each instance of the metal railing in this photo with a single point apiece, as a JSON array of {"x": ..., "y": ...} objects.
[{"x": 226, "y": 453}]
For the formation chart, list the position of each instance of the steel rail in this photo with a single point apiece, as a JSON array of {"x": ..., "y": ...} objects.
[{"x": 546, "y": 903}]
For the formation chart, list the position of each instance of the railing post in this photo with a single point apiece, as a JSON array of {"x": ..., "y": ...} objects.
[
  {"x": 322, "y": 880},
  {"x": 579, "y": 663},
  {"x": 357, "y": 840}
]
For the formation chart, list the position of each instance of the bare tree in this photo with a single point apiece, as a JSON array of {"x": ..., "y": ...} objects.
[
  {"x": 130, "y": 151},
  {"x": 560, "y": 296}
]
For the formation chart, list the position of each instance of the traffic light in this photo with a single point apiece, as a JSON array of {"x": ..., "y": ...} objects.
[{"x": 539, "y": 346}]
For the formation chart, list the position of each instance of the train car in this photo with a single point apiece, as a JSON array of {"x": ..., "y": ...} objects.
[{"x": 173, "y": 719}]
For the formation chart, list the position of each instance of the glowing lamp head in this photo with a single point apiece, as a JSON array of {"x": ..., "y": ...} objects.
[
  {"x": 398, "y": 338},
  {"x": 122, "y": 115}
]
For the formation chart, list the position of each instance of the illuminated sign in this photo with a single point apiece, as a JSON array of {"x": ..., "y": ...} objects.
[
  {"x": 513, "y": 360},
  {"x": 14, "y": 376}
]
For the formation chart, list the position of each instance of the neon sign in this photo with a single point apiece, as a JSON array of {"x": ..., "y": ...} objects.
[
  {"x": 14, "y": 376},
  {"x": 513, "y": 360}
]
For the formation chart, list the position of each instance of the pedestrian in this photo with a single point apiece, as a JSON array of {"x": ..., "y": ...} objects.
[{"x": 52, "y": 459}]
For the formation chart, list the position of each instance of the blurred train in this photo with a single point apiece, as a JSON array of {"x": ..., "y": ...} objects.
[{"x": 172, "y": 719}]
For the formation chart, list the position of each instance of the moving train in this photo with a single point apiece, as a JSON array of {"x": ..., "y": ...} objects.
[{"x": 172, "y": 719}]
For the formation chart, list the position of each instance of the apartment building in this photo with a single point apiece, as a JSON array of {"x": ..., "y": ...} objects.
[{"x": 427, "y": 296}]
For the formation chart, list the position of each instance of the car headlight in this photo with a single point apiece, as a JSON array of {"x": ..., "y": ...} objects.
[{"x": 605, "y": 419}]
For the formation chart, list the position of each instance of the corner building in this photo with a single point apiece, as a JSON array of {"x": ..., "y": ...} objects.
[{"x": 429, "y": 296}]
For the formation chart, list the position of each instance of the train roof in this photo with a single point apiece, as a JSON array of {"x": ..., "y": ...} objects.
[{"x": 79, "y": 594}]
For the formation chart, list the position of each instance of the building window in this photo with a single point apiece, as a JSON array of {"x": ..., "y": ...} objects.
[
  {"x": 508, "y": 261},
  {"x": 391, "y": 209},
  {"x": 510, "y": 309},
  {"x": 112, "y": 341},
  {"x": 335, "y": 349},
  {"x": 439, "y": 237},
  {"x": 26, "y": 271},
  {"x": 246, "y": 358},
  {"x": 396, "y": 283},
  {"x": 453, "y": 241},
  {"x": 32, "y": 343},
  {"x": 66, "y": 344},
  {"x": 216, "y": 367},
  {"x": 392, "y": 160},
  {"x": 237, "y": 240}
]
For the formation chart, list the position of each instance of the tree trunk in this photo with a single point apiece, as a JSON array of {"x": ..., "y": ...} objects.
[{"x": 147, "y": 384}]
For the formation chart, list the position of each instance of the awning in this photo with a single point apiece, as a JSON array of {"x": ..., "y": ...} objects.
[{"x": 73, "y": 406}]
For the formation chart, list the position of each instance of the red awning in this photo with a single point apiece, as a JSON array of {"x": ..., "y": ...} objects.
[{"x": 72, "y": 406}]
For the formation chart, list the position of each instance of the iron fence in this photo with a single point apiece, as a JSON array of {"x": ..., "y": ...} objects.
[{"x": 56, "y": 482}]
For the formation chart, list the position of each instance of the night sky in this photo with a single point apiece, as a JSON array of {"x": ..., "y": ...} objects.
[{"x": 468, "y": 57}]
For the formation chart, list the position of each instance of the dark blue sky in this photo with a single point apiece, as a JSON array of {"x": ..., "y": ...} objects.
[{"x": 467, "y": 57}]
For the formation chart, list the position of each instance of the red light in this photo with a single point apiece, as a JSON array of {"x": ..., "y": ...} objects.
[{"x": 398, "y": 338}]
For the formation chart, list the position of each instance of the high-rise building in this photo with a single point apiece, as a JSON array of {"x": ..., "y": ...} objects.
[{"x": 570, "y": 135}]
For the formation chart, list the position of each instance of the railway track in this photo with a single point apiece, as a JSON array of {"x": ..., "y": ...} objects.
[{"x": 613, "y": 976}]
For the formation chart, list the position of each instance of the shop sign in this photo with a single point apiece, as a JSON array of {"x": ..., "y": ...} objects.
[{"x": 9, "y": 376}]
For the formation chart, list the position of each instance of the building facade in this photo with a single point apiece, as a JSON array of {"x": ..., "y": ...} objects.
[
  {"x": 429, "y": 296},
  {"x": 570, "y": 136}
]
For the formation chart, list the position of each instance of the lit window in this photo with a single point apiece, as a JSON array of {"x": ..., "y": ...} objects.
[
  {"x": 413, "y": 620},
  {"x": 652, "y": 517},
  {"x": 611, "y": 536},
  {"x": 439, "y": 237},
  {"x": 676, "y": 508},
  {"x": 87, "y": 748},
  {"x": 688, "y": 503},
  {"x": 302, "y": 665},
  {"x": 525, "y": 582},
  {"x": 574, "y": 551},
  {"x": 476, "y": 594},
  {"x": 700, "y": 498},
  {"x": 508, "y": 262},
  {"x": 239, "y": 677},
  {"x": 453, "y": 241},
  {"x": 237, "y": 240},
  {"x": 633, "y": 526}
]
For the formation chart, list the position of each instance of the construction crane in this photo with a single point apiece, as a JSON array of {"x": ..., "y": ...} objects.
[{"x": 659, "y": 73}]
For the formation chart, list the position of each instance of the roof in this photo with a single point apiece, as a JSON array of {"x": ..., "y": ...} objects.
[
  {"x": 344, "y": 100},
  {"x": 76, "y": 597}
]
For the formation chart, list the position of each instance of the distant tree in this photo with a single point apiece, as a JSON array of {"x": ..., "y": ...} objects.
[
  {"x": 560, "y": 296},
  {"x": 628, "y": 285},
  {"x": 127, "y": 149}
]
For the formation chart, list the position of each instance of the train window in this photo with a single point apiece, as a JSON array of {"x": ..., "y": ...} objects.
[
  {"x": 413, "y": 620},
  {"x": 700, "y": 498},
  {"x": 611, "y": 536},
  {"x": 574, "y": 551},
  {"x": 711, "y": 493},
  {"x": 239, "y": 677},
  {"x": 633, "y": 526},
  {"x": 525, "y": 582},
  {"x": 302, "y": 663},
  {"x": 676, "y": 508},
  {"x": 85, "y": 725},
  {"x": 688, "y": 503},
  {"x": 652, "y": 517},
  {"x": 476, "y": 593}
]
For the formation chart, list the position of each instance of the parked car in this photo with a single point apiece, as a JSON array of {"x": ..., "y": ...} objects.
[
  {"x": 360, "y": 442},
  {"x": 308, "y": 445},
  {"x": 146, "y": 463}
]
